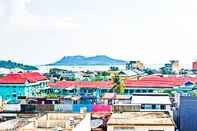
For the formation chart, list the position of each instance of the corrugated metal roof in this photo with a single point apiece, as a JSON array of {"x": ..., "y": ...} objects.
[
  {"x": 146, "y": 82},
  {"x": 81, "y": 84},
  {"x": 21, "y": 78}
]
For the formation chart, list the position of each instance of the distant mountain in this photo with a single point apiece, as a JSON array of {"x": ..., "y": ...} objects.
[
  {"x": 10, "y": 65},
  {"x": 82, "y": 60}
]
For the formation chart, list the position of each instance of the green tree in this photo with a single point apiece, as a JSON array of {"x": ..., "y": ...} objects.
[
  {"x": 51, "y": 95},
  {"x": 149, "y": 71},
  {"x": 113, "y": 68},
  {"x": 169, "y": 92},
  {"x": 118, "y": 85},
  {"x": 194, "y": 94}
]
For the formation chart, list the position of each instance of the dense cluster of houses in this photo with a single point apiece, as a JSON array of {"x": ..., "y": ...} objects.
[{"x": 154, "y": 99}]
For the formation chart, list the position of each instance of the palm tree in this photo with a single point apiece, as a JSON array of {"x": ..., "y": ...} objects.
[{"x": 118, "y": 85}]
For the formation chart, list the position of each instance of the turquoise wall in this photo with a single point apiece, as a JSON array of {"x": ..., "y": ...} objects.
[
  {"x": 12, "y": 91},
  {"x": 99, "y": 91}
]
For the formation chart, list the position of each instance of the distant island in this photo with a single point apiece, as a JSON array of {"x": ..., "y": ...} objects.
[
  {"x": 11, "y": 65},
  {"x": 83, "y": 61}
]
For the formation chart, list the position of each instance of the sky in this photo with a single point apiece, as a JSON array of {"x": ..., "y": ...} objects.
[{"x": 153, "y": 31}]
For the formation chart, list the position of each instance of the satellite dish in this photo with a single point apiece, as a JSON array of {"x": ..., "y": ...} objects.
[{"x": 96, "y": 123}]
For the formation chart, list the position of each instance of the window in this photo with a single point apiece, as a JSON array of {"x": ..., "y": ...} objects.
[
  {"x": 150, "y": 91},
  {"x": 85, "y": 91},
  {"x": 74, "y": 102},
  {"x": 131, "y": 91},
  {"x": 149, "y": 107},
  {"x": 153, "y": 106},
  {"x": 71, "y": 91},
  {"x": 126, "y": 91},
  {"x": 137, "y": 91},
  {"x": 144, "y": 91},
  {"x": 142, "y": 106},
  {"x": 163, "y": 107}
]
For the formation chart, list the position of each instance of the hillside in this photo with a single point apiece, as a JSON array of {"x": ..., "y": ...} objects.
[
  {"x": 10, "y": 65},
  {"x": 82, "y": 60}
]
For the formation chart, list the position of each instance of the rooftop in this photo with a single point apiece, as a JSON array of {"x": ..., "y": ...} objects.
[
  {"x": 146, "y": 82},
  {"x": 141, "y": 119},
  {"x": 82, "y": 84},
  {"x": 21, "y": 78},
  {"x": 127, "y": 73},
  {"x": 65, "y": 121}
]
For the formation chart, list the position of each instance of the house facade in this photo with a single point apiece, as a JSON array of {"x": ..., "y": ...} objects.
[
  {"x": 149, "y": 84},
  {"x": 153, "y": 102},
  {"x": 14, "y": 86}
]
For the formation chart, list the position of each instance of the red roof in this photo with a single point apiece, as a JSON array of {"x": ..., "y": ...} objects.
[
  {"x": 177, "y": 81},
  {"x": 158, "y": 81},
  {"x": 152, "y": 84},
  {"x": 146, "y": 82},
  {"x": 21, "y": 78},
  {"x": 82, "y": 84}
]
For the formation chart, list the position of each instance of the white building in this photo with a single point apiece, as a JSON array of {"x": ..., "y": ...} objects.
[{"x": 152, "y": 102}]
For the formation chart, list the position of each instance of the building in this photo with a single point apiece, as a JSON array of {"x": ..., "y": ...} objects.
[
  {"x": 175, "y": 66},
  {"x": 152, "y": 102},
  {"x": 13, "y": 124},
  {"x": 194, "y": 66},
  {"x": 113, "y": 98},
  {"x": 134, "y": 65},
  {"x": 147, "y": 84},
  {"x": 140, "y": 121},
  {"x": 119, "y": 108},
  {"x": 96, "y": 88},
  {"x": 108, "y": 98},
  {"x": 49, "y": 122},
  {"x": 123, "y": 99},
  {"x": 171, "y": 68},
  {"x": 185, "y": 114},
  {"x": 131, "y": 74},
  {"x": 62, "y": 74},
  {"x": 18, "y": 85},
  {"x": 128, "y": 74}
]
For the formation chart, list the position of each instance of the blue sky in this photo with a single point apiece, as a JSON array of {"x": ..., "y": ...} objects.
[{"x": 43, "y": 31}]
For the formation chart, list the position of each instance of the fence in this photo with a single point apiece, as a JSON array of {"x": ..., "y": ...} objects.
[
  {"x": 57, "y": 108},
  {"x": 126, "y": 108}
]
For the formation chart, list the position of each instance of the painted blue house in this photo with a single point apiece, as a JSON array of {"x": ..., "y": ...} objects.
[{"x": 13, "y": 86}]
